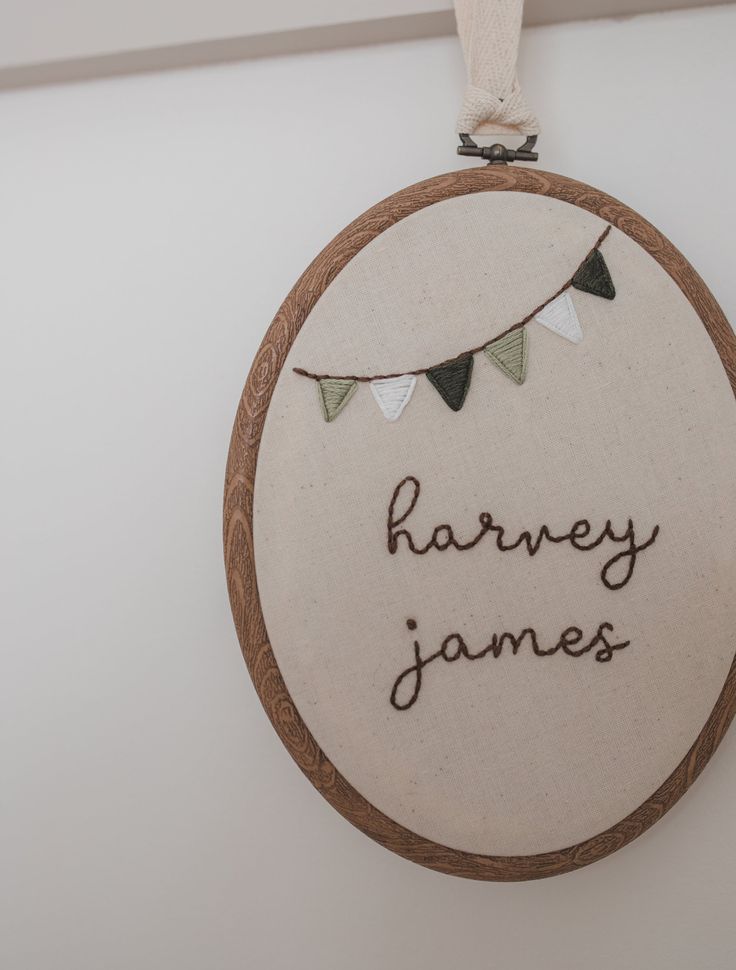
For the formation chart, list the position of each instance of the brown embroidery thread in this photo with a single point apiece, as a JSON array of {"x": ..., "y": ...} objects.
[
  {"x": 465, "y": 353},
  {"x": 443, "y": 536},
  {"x": 454, "y": 646}
]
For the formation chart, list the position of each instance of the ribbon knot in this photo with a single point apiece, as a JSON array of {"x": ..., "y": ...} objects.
[{"x": 484, "y": 113}]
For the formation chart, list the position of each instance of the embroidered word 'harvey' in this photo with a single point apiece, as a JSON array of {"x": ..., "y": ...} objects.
[{"x": 615, "y": 573}]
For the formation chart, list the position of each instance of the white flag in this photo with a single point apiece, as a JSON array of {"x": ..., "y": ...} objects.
[
  {"x": 392, "y": 394},
  {"x": 560, "y": 317}
]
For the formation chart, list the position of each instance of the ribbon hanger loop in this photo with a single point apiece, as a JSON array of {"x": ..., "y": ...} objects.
[{"x": 493, "y": 103}]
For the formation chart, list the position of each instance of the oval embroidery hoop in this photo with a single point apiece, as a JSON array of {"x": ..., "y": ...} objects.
[{"x": 238, "y": 525}]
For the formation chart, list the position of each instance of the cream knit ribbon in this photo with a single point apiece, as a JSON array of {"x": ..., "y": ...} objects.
[{"x": 493, "y": 104}]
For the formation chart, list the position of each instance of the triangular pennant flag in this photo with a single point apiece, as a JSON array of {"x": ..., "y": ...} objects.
[
  {"x": 334, "y": 394},
  {"x": 594, "y": 277},
  {"x": 510, "y": 354},
  {"x": 452, "y": 381},
  {"x": 560, "y": 317},
  {"x": 392, "y": 394}
]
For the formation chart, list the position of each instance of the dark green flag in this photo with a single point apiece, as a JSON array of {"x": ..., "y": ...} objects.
[
  {"x": 593, "y": 277},
  {"x": 452, "y": 381}
]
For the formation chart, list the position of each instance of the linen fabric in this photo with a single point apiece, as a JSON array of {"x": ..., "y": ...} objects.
[{"x": 520, "y": 754}]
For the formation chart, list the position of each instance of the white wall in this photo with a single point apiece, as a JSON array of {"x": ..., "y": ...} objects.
[
  {"x": 150, "y": 228},
  {"x": 63, "y": 40}
]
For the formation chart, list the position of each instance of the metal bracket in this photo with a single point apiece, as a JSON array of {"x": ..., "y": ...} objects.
[{"x": 499, "y": 154}]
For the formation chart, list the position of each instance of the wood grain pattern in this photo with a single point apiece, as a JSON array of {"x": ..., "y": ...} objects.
[{"x": 238, "y": 524}]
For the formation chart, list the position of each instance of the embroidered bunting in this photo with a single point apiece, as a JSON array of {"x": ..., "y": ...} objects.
[
  {"x": 392, "y": 394},
  {"x": 510, "y": 354},
  {"x": 452, "y": 381},
  {"x": 334, "y": 394},
  {"x": 508, "y": 350},
  {"x": 593, "y": 277},
  {"x": 560, "y": 317}
]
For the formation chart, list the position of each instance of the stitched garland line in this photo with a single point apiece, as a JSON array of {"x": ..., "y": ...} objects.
[{"x": 508, "y": 350}]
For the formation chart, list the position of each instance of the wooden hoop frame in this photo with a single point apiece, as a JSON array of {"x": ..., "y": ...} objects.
[{"x": 238, "y": 525}]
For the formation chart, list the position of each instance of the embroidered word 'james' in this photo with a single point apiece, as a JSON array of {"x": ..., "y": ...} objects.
[
  {"x": 406, "y": 495},
  {"x": 409, "y": 682}
]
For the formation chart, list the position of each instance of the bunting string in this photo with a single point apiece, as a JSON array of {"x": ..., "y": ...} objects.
[{"x": 508, "y": 350}]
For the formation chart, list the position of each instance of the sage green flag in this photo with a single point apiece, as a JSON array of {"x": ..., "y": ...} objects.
[
  {"x": 334, "y": 394},
  {"x": 510, "y": 354}
]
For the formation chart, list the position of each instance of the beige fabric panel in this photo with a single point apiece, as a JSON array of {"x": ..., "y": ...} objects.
[{"x": 520, "y": 754}]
